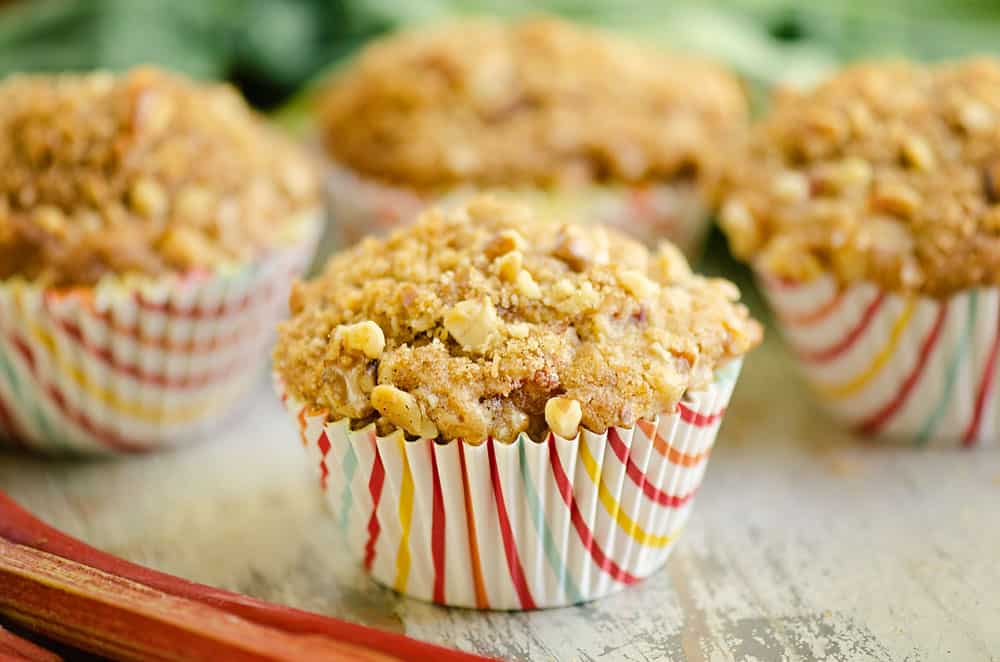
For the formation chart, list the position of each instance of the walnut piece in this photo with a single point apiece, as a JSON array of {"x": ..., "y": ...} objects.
[
  {"x": 364, "y": 337},
  {"x": 509, "y": 266},
  {"x": 637, "y": 284},
  {"x": 563, "y": 416},
  {"x": 402, "y": 410},
  {"x": 473, "y": 324},
  {"x": 504, "y": 242}
]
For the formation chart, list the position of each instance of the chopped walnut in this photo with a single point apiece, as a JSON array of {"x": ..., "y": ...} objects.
[
  {"x": 364, "y": 337},
  {"x": 503, "y": 243},
  {"x": 526, "y": 286},
  {"x": 148, "y": 199},
  {"x": 473, "y": 324},
  {"x": 637, "y": 284},
  {"x": 402, "y": 410},
  {"x": 573, "y": 248},
  {"x": 509, "y": 266},
  {"x": 563, "y": 416},
  {"x": 670, "y": 265}
]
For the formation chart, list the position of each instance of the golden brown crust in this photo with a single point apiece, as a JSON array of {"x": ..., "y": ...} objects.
[
  {"x": 483, "y": 315},
  {"x": 144, "y": 173},
  {"x": 537, "y": 103},
  {"x": 888, "y": 172}
]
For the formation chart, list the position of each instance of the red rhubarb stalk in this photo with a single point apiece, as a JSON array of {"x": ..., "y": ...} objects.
[
  {"x": 13, "y": 648},
  {"x": 117, "y": 617},
  {"x": 19, "y": 526}
]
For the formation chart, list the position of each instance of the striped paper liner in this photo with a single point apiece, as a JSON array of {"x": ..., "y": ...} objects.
[
  {"x": 131, "y": 366},
  {"x": 361, "y": 206},
  {"x": 515, "y": 526},
  {"x": 909, "y": 369}
]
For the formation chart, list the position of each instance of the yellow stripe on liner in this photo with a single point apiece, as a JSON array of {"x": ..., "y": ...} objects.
[
  {"x": 405, "y": 521},
  {"x": 855, "y": 385},
  {"x": 108, "y": 397},
  {"x": 614, "y": 509}
]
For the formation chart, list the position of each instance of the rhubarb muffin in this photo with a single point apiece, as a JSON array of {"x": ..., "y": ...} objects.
[
  {"x": 579, "y": 122},
  {"x": 870, "y": 208},
  {"x": 150, "y": 227},
  {"x": 461, "y": 372}
]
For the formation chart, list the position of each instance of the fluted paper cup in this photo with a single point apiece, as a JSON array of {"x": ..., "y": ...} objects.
[
  {"x": 515, "y": 526},
  {"x": 909, "y": 369},
  {"x": 361, "y": 206},
  {"x": 129, "y": 366}
]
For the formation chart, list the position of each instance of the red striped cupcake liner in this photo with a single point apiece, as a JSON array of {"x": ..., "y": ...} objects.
[
  {"x": 136, "y": 365},
  {"x": 361, "y": 206},
  {"x": 515, "y": 526},
  {"x": 904, "y": 368}
]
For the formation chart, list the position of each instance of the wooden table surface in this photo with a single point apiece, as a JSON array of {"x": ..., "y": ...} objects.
[{"x": 803, "y": 545}]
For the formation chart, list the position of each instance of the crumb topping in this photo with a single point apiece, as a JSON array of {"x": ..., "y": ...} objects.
[
  {"x": 143, "y": 173},
  {"x": 483, "y": 320},
  {"x": 541, "y": 102},
  {"x": 888, "y": 172}
]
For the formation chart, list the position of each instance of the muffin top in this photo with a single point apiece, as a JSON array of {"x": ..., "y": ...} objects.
[
  {"x": 536, "y": 103},
  {"x": 485, "y": 321},
  {"x": 144, "y": 173},
  {"x": 889, "y": 172}
]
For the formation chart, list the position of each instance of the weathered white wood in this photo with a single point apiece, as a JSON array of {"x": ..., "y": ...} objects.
[{"x": 804, "y": 545}]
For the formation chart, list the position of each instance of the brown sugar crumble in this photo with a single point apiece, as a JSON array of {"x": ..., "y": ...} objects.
[
  {"x": 484, "y": 320},
  {"x": 540, "y": 102},
  {"x": 889, "y": 172},
  {"x": 144, "y": 173}
]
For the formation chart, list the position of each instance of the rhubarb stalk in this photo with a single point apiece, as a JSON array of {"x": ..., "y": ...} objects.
[
  {"x": 89, "y": 608},
  {"x": 14, "y": 648},
  {"x": 102, "y": 573}
]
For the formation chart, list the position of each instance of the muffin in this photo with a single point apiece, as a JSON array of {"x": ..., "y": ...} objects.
[
  {"x": 150, "y": 227},
  {"x": 508, "y": 412},
  {"x": 581, "y": 123},
  {"x": 870, "y": 208}
]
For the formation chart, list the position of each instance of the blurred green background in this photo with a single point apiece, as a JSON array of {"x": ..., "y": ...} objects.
[{"x": 272, "y": 49}]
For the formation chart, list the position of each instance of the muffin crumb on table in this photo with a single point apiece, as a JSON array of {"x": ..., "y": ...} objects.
[
  {"x": 888, "y": 172},
  {"x": 476, "y": 322},
  {"x": 143, "y": 173}
]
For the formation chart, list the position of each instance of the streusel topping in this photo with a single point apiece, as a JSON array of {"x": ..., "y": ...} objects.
[
  {"x": 484, "y": 320},
  {"x": 537, "y": 103},
  {"x": 889, "y": 172},
  {"x": 143, "y": 173}
]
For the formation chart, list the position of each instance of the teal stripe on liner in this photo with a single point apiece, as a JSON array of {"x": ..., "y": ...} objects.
[
  {"x": 952, "y": 375},
  {"x": 40, "y": 420},
  {"x": 346, "y": 497},
  {"x": 548, "y": 542}
]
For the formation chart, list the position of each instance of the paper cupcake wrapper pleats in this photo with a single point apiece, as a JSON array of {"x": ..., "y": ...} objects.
[
  {"x": 515, "y": 526},
  {"x": 361, "y": 206},
  {"x": 127, "y": 367},
  {"x": 911, "y": 369}
]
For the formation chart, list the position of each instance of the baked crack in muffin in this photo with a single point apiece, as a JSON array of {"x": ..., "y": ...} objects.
[{"x": 483, "y": 321}]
